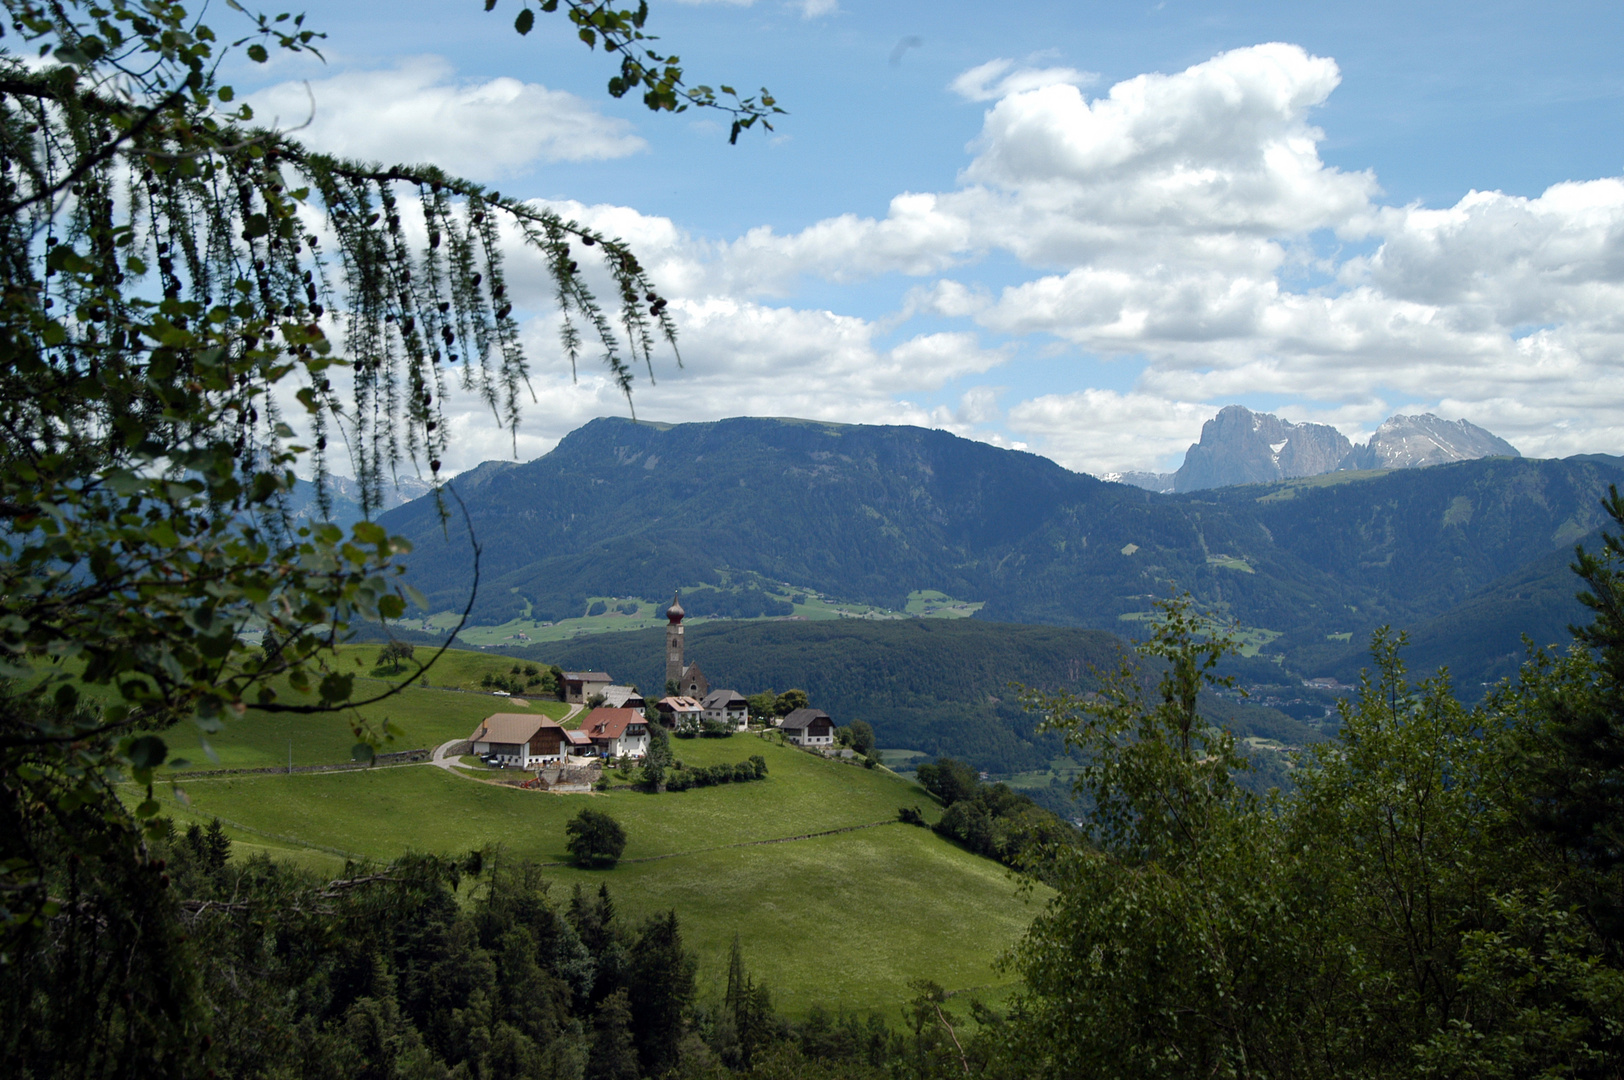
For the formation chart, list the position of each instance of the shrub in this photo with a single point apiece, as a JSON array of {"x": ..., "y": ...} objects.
[{"x": 594, "y": 839}]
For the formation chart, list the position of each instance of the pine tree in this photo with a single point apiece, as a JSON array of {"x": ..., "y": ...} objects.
[
  {"x": 614, "y": 1056},
  {"x": 662, "y": 988}
]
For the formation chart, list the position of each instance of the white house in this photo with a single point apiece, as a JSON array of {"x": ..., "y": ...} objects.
[
  {"x": 809, "y": 727},
  {"x": 520, "y": 740},
  {"x": 727, "y": 707},
  {"x": 680, "y": 713},
  {"x": 617, "y": 732}
]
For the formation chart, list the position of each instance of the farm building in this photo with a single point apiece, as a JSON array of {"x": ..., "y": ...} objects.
[
  {"x": 520, "y": 740},
  {"x": 581, "y": 685},
  {"x": 809, "y": 727}
]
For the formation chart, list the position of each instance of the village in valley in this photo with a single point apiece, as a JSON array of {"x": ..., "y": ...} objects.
[{"x": 609, "y": 724}]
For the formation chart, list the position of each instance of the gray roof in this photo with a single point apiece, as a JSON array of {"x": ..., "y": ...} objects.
[
  {"x": 722, "y": 699},
  {"x": 804, "y": 718}
]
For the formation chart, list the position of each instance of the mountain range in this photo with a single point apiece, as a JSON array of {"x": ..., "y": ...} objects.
[
  {"x": 1239, "y": 446},
  {"x": 870, "y": 513}
]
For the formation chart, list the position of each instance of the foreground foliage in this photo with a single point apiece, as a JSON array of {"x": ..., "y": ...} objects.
[
  {"x": 179, "y": 290},
  {"x": 1436, "y": 897}
]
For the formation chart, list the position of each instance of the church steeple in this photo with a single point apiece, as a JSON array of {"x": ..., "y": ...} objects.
[{"x": 673, "y": 642}]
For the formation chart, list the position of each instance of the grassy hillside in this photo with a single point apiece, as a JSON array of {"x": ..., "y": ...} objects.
[
  {"x": 449, "y": 708},
  {"x": 843, "y": 919}
]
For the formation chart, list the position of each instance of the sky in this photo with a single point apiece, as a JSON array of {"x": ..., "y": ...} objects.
[{"x": 1078, "y": 229}]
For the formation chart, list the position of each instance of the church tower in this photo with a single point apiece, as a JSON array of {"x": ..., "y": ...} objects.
[{"x": 673, "y": 643}]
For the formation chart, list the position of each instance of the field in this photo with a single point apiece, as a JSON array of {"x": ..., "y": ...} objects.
[
  {"x": 808, "y": 604},
  {"x": 449, "y": 708},
  {"x": 842, "y": 918}
]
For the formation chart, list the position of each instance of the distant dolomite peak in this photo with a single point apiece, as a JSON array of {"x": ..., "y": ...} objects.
[
  {"x": 1239, "y": 446},
  {"x": 1413, "y": 442}
]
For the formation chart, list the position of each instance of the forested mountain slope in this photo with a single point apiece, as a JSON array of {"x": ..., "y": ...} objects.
[
  {"x": 871, "y": 513},
  {"x": 941, "y": 686}
]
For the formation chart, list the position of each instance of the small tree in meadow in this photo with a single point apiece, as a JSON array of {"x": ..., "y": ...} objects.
[{"x": 595, "y": 839}]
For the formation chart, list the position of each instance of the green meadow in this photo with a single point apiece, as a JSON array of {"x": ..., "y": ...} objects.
[
  {"x": 421, "y": 718},
  {"x": 841, "y": 918}
]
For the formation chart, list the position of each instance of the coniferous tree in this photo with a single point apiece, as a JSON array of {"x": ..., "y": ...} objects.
[
  {"x": 614, "y": 1055},
  {"x": 662, "y": 989}
]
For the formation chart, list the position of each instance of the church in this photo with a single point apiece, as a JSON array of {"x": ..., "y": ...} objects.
[{"x": 683, "y": 680}]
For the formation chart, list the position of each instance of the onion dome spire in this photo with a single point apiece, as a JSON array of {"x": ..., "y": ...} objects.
[{"x": 675, "y": 613}]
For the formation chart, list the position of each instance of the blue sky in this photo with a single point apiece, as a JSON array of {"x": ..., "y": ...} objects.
[{"x": 1122, "y": 217}]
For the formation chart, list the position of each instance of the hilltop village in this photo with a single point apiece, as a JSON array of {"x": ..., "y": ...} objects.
[{"x": 617, "y": 719}]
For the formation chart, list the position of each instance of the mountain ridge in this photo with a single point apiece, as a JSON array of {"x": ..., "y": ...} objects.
[
  {"x": 871, "y": 513},
  {"x": 1239, "y": 447}
]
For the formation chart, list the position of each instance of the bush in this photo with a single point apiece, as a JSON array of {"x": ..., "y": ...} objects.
[
  {"x": 595, "y": 839},
  {"x": 598, "y": 608},
  {"x": 910, "y": 815}
]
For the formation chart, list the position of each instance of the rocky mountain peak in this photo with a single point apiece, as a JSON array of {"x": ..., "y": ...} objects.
[
  {"x": 1413, "y": 442},
  {"x": 1239, "y": 446}
]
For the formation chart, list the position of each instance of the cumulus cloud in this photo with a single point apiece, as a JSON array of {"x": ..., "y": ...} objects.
[
  {"x": 417, "y": 112},
  {"x": 1001, "y": 78},
  {"x": 1172, "y": 219},
  {"x": 1103, "y": 431}
]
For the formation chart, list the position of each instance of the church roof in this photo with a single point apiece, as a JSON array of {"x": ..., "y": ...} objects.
[{"x": 675, "y": 613}]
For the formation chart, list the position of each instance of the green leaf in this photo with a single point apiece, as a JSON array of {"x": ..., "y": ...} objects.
[
  {"x": 362, "y": 752},
  {"x": 525, "y": 21},
  {"x": 391, "y": 606},
  {"x": 148, "y": 752},
  {"x": 257, "y": 53},
  {"x": 368, "y": 532}
]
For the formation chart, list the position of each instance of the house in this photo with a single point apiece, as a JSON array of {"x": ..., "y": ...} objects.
[
  {"x": 727, "y": 707},
  {"x": 809, "y": 727},
  {"x": 580, "y": 743},
  {"x": 623, "y": 697},
  {"x": 617, "y": 732},
  {"x": 680, "y": 713},
  {"x": 520, "y": 740},
  {"x": 581, "y": 685}
]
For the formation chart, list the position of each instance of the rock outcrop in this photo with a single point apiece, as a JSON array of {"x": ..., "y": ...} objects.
[
  {"x": 1239, "y": 446},
  {"x": 1413, "y": 442}
]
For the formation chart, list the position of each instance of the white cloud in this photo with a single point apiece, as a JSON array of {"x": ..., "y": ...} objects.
[
  {"x": 813, "y": 9},
  {"x": 1001, "y": 78},
  {"x": 417, "y": 112},
  {"x": 1172, "y": 219},
  {"x": 1101, "y": 431}
]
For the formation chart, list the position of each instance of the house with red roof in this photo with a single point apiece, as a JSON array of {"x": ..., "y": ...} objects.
[{"x": 617, "y": 732}]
